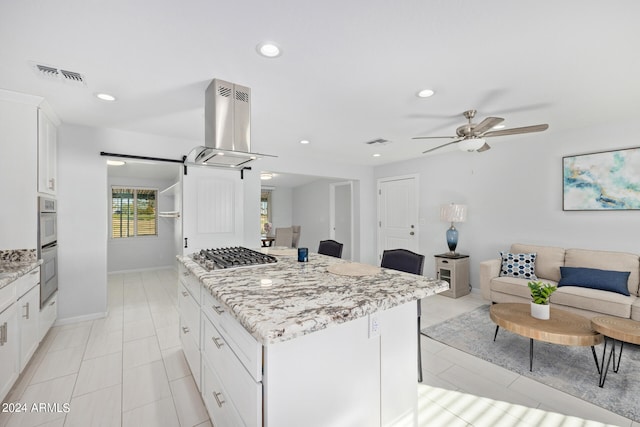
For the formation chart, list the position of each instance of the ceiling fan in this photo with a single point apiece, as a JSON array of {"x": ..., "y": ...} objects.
[{"x": 471, "y": 136}]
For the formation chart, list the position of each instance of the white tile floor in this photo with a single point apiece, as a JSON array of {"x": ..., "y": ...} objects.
[{"x": 128, "y": 370}]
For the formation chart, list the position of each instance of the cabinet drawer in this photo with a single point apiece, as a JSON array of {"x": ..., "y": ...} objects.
[
  {"x": 220, "y": 408},
  {"x": 189, "y": 312},
  {"x": 241, "y": 388},
  {"x": 48, "y": 315},
  {"x": 246, "y": 348},
  {"x": 25, "y": 283},
  {"x": 191, "y": 351},
  {"x": 7, "y": 296},
  {"x": 191, "y": 282}
]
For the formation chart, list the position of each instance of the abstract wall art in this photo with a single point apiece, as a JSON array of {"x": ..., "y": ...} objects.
[{"x": 608, "y": 180}]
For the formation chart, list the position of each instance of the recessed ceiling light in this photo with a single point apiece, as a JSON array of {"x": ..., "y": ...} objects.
[
  {"x": 304, "y": 141},
  {"x": 115, "y": 162},
  {"x": 105, "y": 97},
  {"x": 425, "y": 93},
  {"x": 266, "y": 176},
  {"x": 269, "y": 50},
  {"x": 377, "y": 155}
]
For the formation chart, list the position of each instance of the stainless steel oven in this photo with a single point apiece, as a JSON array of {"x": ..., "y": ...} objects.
[{"x": 47, "y": 247}]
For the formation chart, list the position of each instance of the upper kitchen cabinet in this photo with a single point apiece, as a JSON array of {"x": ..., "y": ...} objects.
[
  {"x": 19, "y": 164},
  {"x": 47, "y": 154}
]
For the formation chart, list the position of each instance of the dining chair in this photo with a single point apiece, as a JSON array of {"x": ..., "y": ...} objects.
[
  {"x": 331, "y": 248},
  {"x": 409, "y": 262},
  {"x": 296, "y": 235},
  {"x": 284, "y": 237}
]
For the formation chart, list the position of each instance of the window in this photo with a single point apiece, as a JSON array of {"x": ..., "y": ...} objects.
[
  {"x": 265, "y": 209},
  {"x": 133, "y": 212}
]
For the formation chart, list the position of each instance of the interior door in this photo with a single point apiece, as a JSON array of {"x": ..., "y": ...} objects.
[
  {"x": 397, "y": 214},
  {"x": 212, "y": 202}
]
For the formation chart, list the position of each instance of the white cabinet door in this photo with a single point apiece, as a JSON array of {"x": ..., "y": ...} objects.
[
  {"x": 28, "y": 311},
  {"x": 8, "y": 350},
  {"x": 212, "y": 209},
  {"x": 47, "y": 155}
]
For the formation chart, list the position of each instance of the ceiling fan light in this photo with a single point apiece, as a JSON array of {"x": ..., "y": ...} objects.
[{"x": 471, "y": 144}]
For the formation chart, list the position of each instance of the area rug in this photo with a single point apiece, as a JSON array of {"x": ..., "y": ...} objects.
[{"x": 568, "y": 369}]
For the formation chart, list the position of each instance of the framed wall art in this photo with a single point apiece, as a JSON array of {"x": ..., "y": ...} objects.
[{"x": 608, "y": 180}]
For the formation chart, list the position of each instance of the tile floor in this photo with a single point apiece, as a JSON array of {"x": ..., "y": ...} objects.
[{"x": 128, "y": 370}]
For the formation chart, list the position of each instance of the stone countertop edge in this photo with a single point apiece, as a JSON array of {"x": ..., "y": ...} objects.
[
  {"x": 11, "y": 271},
  {"x": 306, "y": 306}
]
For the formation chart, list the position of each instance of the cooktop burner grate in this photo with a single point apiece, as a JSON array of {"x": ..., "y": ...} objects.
[{"x": 232, "y": 257}]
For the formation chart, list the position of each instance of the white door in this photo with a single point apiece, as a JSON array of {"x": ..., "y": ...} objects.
[
  {"x": 212, "y": 204},
  {"x": 341, "y": 216},
  {"x": 397, "y": 214}
]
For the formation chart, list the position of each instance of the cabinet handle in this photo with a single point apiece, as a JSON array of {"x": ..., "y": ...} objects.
[
  {"x": 185, "y": 293},
  {"x": 52, "y": 184},
  {"x": 411, "y": 233},
  {"x": 26, "y": 315},
  {"x": 216, "y": 342},
  {"x": 185, "y": 330},
  {"x": 219, "y": 401},
  {"x": 3, "y": 334},
  {"x": 218, "y": 309}
]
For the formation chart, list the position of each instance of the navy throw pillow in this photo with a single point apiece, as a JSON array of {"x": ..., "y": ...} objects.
[{"x": 606, "y": 280}]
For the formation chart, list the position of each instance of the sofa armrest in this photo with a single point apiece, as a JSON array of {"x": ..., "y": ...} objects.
[{"x": 488, "y": 270}]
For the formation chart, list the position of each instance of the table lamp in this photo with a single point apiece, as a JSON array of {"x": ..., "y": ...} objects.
[{"x": 453, "y": 213}]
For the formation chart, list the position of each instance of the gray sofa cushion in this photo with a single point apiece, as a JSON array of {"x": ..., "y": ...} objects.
[
  {"x": 604, "y": 302},
  {"x": 604, "y": 260},
  {"x": 548, "y": 260}
]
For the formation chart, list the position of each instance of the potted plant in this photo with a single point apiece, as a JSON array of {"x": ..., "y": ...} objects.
[{"x": 540, "y": 293}]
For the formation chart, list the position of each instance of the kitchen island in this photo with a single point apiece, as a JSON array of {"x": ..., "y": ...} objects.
[{"x": 327, "y": 342}]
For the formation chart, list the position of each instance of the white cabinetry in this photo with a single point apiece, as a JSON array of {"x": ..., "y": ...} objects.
[
  {"x": 48, "y": 315},
  {"x": 47, "y": 154},
  {"x": 189, "y": 291},
  {"x": 19, "y": 152},
  {"x": 28, "y": 307},
  {"x": 8, "y": 339}
]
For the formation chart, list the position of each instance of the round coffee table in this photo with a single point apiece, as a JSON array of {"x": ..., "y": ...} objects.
[
  {"x": 562, "y": 327},
  {"x": 617, "y": 329}
]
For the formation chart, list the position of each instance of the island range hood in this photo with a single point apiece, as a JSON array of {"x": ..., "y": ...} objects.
[{"x": 227, "y": 131}]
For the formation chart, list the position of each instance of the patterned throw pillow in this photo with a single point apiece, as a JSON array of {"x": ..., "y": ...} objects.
[{"x": 518, "y": 265}]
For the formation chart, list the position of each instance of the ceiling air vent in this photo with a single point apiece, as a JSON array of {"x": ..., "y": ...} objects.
[
  {"x": 54, "y": 73},
  {"x": 379, "y": 141}
]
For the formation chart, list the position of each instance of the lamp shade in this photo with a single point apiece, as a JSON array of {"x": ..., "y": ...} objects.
[
  {"x": 471, "y": 144},
  {"x": 453, "y": 213}
]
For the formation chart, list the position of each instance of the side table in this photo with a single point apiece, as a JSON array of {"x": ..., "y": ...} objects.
[
  {"x": 615, "y": 329},
  {"x": 454, "y": 268}
]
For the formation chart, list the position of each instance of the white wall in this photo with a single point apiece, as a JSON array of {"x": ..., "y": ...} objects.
[
  {"x": 311, "y": 212},
  {"x": 282, "y": 207},
  {"x": 514, "y": 194},
  {"x": 146, "y": 251}
]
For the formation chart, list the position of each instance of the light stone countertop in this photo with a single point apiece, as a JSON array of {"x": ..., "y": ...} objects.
[
  {"x": 15, "y": 263},
  {"x": 305, "y": 297}
]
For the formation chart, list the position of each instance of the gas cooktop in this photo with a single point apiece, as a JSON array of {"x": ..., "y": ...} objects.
[{"x": 233, "y": 257}]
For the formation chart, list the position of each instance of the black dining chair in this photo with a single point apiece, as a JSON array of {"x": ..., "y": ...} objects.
[
  {"x": 331, "y": 248},
  {"x": 409, "y": 262}
]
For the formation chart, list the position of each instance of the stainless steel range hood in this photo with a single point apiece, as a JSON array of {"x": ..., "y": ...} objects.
[{"x": 227, "y": 131}]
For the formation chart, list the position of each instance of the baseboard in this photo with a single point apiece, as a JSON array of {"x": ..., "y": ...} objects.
[
  {"x": 140, "y": 270},
  {"x": 77, "y": 319}
]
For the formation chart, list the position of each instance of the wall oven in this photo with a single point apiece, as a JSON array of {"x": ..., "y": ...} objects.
[{"x": 47, "y": 247}]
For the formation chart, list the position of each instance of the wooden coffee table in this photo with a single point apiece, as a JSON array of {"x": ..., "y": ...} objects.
[
  {"x": 617, "y": 329},
  {"x": 562, "y": 327}
]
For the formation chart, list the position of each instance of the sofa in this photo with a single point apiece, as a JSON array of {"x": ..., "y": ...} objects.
[{"x": 507, "y": 284}]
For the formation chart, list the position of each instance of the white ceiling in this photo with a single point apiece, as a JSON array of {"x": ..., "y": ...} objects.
[{"x": 349, "y": 71}]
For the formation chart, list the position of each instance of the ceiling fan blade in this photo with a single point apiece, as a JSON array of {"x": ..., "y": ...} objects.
[
  {"x": 487, "y": 124},
  {"x": 433, "y": 137},
  {"x": 440, "y": 146},
  {"x": 514, "y": 131},
  {"x": 485, "y": 147}
]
